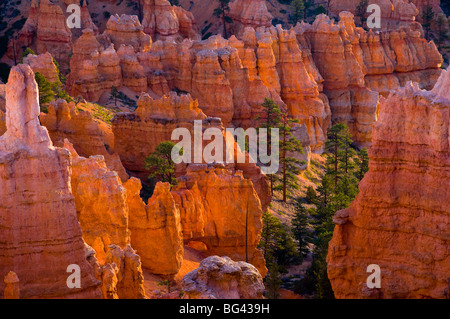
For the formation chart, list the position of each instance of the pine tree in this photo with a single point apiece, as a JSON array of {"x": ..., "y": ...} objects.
[
  {"x": 427, "y": 18},
  {"x": 346, "y": 153},
  {"x": 311, "y": 195},
  {"x": 362, "y": 163},
  {"x": 272, "y": 119},
  {"x": 301, "y": 230},
  {"x": 290, "y": 166},
  {"x": 273, "y": 282},
  {"x": 332, "y": 145},
  {"x": 222, "y": 12},
  {"x": 25, "y": 53},
  {"x": 46, "y": 93},
  {"x": 270, "y": 236},
  {"x": 160, "y": 163},
  {"x": 442, "y": 27},
  {"x": 361, "y": 10},
  {"x": 299, "y": 11},
  {"x": 114, "y": 94}
]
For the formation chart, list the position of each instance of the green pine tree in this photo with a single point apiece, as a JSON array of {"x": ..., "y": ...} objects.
[
  {"x": 25, "y": 53},
  {"x": 271, "y": 119},
  {"x": 46, "y": 93},
  {"x": 427, "y": 19},
  {"x": 362, "y": 163},
  {"x": 222, "y": 12},
  {"x": 299, "y": 11},
  {"x": 289, "y": 166},
  {"x": 361, "y": 10},
  {"x": 442, "y": 29},
  {"x": 335, "y": 135},
  {"x": 270, "y": 236},
  {"x": 160, "y": 163},
  {"x": 273, "y": 282},
  {"x": 311, "y": 195},
  {"x": 301, "y": 229}
]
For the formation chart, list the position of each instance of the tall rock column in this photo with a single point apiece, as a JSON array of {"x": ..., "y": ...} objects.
[
  {"x": 40, "y": 234},
  {"x": 400, "y": 219}
]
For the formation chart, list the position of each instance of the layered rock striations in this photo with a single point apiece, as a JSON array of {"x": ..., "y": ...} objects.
[
  {"x": 46, "y": 31},
  {"x": 155, "y": 120},
  {"x": 162, "y": 20},
  {"x": 41, "y": 236},
  {"x": 156, "y": 231},
  {"x": 137, "y": 134},
  {"x": 249, "y": 13},
  {"x": 394, "y": 13},
  {"x": 64, "y": 121},
  {"x": 356, "y": 65},
  {"x": 400, "y": 219},
  {"x": 101, "y": 203},
  {"x": 306, "y": 70},
  {"x": 229, "y": 227},
  {"x": 43, "y": 63}
]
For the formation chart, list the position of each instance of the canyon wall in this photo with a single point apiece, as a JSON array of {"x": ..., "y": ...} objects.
[
  {"x": 249, "y": 13},
  {"x": 319, "y": 73},
  {"x": 357, "y": 65},
  {"x": 162, "y": 20},
  {"x": 64, "y": 121},
  {"x": 41, "y": 236},
  {"x": 394, "y": 13},
  {"x": 400, "y": 219}
]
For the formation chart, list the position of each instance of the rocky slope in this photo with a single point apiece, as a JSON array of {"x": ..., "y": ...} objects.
[{"x": 400, "y": 219}]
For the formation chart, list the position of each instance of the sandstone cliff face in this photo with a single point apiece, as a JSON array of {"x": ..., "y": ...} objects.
[
  {"x": 350, "y": 58},
  {"x": 127, "y": 30},
  {"x": 249, "y": 13},
  {"x": 400, "y": 219},
  {"x": 138, "y": 134},
  {"x": 120, "y": 273},
  {"x": 162, "y": 20},
  {"x": 43, "y": 64},
  {"x": 101, "y": 204},
  {"x": 12, "y": 289},
  {"x": 155, "y": 228},
  {"x": 296, "y": 68},
  {"x": 26, "y": 36},
  {"x": 155, "y": 119},
  {"x": 52, "y": 33},
  {"x": 41, "y": 236},
  {"x": 129, "y": 283},
  {"x": 394, "y": 13},
  {"x": 231, "y": 226},
  {"x": 63, "y": 121},
  {"x": 221, "y": 278}
]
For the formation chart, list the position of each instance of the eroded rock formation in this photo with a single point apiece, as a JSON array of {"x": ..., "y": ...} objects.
[
  {"x": 63, "y": 120},
  {"x": 356, "y": 65},
  {"x": 41, "y": 236},
  {"x": 400, "y": 219},
  {"x": 249, "y": 13},
  {"x": 221, "y": 278},
  {"x": 162, "y": 20},
  {"x": 45, "y": 31},
  {"x": 229, "y": 227},
  {"x": 101, "y": 204},
  {"x": 155, "y": 228},
  {"x": 43, "y": 64}
]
